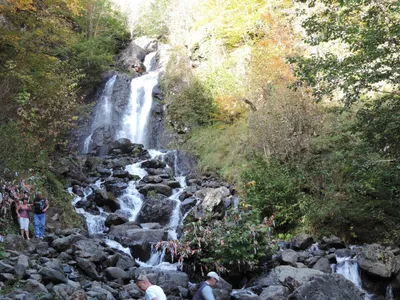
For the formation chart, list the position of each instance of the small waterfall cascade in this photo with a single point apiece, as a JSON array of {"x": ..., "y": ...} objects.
[
  {"x": 134, "y": 125},
  {"x": 103, "y": 111},
  {"x": 348, "y": 267}
]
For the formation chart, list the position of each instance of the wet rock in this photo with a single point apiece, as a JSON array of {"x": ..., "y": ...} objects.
[
  {"x": 245, "y": 294},
  {"x": 302, "y": 241},
  {"x": 157, "y": 187},
  {"x": 153, "y": 164},
  {"x": 78, "y": 190},
  {"x": 152, "y": 179},
  {"x": 129, "y": 234},
  {"x": 115, "y": 219},
  {"x": 121, "y": 174},
  {"x": 156, "y": 209},
  {"x": 151, "y": 225},
  {"x": 104, "y": 198},
  {"x": 173, "y": 184},
  {"x": 123, "y": 144},
  {"x": 376, "y": 260},
  {"x": 344, "y": 253},
  {"x": 334, "y": 287}
]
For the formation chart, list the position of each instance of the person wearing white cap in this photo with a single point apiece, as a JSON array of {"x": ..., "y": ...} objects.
[
  {"x": 205, "y": 290},
  {"x": 152, "y": 292}
]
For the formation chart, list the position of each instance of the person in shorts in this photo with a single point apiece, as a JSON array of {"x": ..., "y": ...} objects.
[{"x": 22, "y": 210}]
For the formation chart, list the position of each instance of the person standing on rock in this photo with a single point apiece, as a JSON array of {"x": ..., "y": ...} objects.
[
  {"x": 152, "y": 292},
  {"x": 40, "y": 205},
  {"x": 22, "y": 210},
  {"x": 205, "y": 290}
]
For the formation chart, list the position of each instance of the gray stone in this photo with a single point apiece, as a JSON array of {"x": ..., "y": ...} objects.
[
  {"x": 21, "y": 266},
  {"x": 214, "y": 197},
  {"x": 7, "y": 277},
  {"x": 6, "y": 268},
  {"x": 62, "y": 244},
  {"x": 275, "y": 292},
  {"x": 88, "y": 268},
  {"x": 376, "y": 260},
  {"x": 332, "y": 287},
  {"x": 113, "y": 273},
  {"x": 302, "y": 241},
  {"x": 300, "y": 275},
  {"x": 323, "y": 265},
  {"x": 115, "y": 219},
  {"x": 35, "y": 287},
  {"x": 156, "y": 209},
  {"x": 53, "y": 276},
  {"x": 153, "y": 164},
  {"x": 289, "y": 257},
  {"x": 156, "y": 187}
]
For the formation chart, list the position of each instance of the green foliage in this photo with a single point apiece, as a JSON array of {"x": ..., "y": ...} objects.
[
  {"x": 275, "y": 189},
  {"x": 154, "y": 19},
  {"x": 222, "y": 149},
  {"x": 379, "y": 123},
  {"x": 19, "y": 152},
  {"x": 237, "y": 242},
  {"x": 369, "y": 33}
]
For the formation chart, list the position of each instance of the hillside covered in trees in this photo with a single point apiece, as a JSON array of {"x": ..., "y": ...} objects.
[{"x": 292, "y": 104}]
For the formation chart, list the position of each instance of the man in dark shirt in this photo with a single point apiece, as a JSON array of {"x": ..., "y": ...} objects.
[
  {"x": 40, "y": 206},
  {"x": 205, "y": 290}
]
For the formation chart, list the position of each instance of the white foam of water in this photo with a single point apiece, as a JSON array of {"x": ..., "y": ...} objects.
[
  {"x": 118, "y": 246},
  {"x": 348, "y": 267},
  {"x": 176, "y": 213},
  {"x": 140, "y": 103}
]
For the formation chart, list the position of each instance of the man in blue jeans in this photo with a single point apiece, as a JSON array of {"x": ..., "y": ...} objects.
[{"x": 40, "y": 206}]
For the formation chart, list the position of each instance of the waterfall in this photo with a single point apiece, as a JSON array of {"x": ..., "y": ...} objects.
[
  {"x": 348, "y": 267},
  {"x": 103, "y": 111},
  {"x": 134, "y": 125}
]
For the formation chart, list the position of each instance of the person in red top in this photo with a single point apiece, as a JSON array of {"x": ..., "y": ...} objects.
[{"x": 23, "y": 209}]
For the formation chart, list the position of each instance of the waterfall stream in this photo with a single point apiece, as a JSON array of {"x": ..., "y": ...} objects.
[{"x": 133, "y": 127}]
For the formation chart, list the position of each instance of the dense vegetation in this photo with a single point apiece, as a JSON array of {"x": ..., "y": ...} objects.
[
  {"x": 305, "y": 115},
  {"x": 52, "y": 54}
]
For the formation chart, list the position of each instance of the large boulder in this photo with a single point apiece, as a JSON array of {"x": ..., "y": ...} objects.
[
  {"x": 323, "y": 265},
  {"x": 156, "y": 209},
  {"x": 289, "y": 257},
  {"x": 35, "y": 287},
  {"x": 88, "y": 268},
  {"x": 53, "y": 276},
  {"x": 302, "y": 241},
  {"x": 147, "y": 43},
  {"x": 64, "y": 243},
  {"x": 156, "y": 187},
  {"x": 115, "y": 219},
  {"x": 333, "y": 287},
  {"x": 281, "y": 273},
  {"x": 275, "y": 292},
  {"x": 124, "y": 145},
  {"x": 376, "y": 260},
  {"x": 130, "y": 233},
  {"x": 89, "y": 249},
  {"x": 153, "y": 164},
  {"x": 104, "y": 198},
  {"x": 214, "y": 197}
]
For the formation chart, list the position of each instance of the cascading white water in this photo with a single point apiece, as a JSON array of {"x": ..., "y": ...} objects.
[
  {"x": 176, "y": 213},
  {"x": 140, "y": 103},
  {"x": 103, "y": 111},
  {"x": 348, "y": 267},
  {"x": 95, "y": 223}
]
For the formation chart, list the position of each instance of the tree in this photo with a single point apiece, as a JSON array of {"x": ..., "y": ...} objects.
[{"x": 367, "y": 32}]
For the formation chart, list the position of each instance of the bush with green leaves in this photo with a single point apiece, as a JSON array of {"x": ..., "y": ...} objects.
[{"x": 237, "y": 242}]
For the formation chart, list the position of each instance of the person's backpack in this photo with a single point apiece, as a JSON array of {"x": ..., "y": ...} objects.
[{"x": 39, "y": 206}]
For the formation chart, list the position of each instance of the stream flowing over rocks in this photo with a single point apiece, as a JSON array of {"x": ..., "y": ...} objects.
[{"x": 133, "y": 196}]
